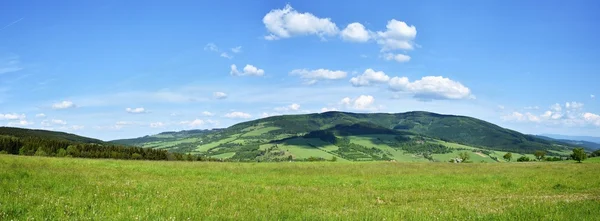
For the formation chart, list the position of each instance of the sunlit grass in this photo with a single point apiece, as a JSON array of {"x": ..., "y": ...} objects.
[{"x": 62, "y": 188}]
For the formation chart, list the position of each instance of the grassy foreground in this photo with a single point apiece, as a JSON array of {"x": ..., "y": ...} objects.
[{"x": 62, "y": 188}]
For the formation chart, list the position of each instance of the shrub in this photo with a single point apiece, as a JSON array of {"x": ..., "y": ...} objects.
[{"x": 523, "y": 159}]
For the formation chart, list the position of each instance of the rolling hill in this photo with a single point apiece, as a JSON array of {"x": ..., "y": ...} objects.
[
  {"x": 47, "y": 135},
  {"x": 411, "y": 136}
]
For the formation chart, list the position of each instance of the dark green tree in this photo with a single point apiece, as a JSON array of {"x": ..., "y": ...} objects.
[
  {"x": 464, "y": 156},
  {"x": 508, "y": 156},
  {"x": 579, "y": 154},
  {"x": 539, "y": 154}
]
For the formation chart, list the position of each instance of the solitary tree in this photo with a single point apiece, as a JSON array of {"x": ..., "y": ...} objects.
[
  {"x": 508, "y": 156},
  {"x": 539, "y": 154},
  {"x": 464, "y": 156},
  {"x": 579, "y": 154}
]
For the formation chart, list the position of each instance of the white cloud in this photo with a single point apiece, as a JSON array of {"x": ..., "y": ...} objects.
[
  {"x": 48, "y": 123},
  {"x": 237, "y": 49},
  {"x": 396, "y": 57},
  {"x": 287, "y": 22},
  {"x": 556, "y": 107},
  {"x": 248, "y": 70},
  {"x": 312, "y": 76},
  {"x": 40, "y": 115},
  {"x": 20, "y": 123},
  {"x": 157, "y": 125},
  {"x": 211, "y": 47},
  {"x": 431, "y": 87},
  {"x": 206, "y": 113},
  {"x": 63, "y": 105},
  {"x": 219, "y": 95},
  {"x": 592, "y": 96},
  {"x": 501, "y": 107},
  {"x": 592, "y": 118},
  {"x": 370, "y": 77},
  {"x": 137, "y": 110},
  {"x": 225, "y": 55},
  {"x": 291, "y": 107},
  {"x": 355, "y": 32},
  {"x": 398, "y": 36},
  {"x": 326, "y": 109},
  {"x": 362, "y": 102},
  {"x": 12, "y": 116},
  {"x": 573, "y": 105},
  {"x": 193, "y": 123},
  {"x": 73, "y": 127},
  {"x": 531, "y": 108},
  {"x": 520, "y": 117},
  {"x": 237, "y": 114}
]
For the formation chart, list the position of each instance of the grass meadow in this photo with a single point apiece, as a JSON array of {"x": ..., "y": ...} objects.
[{"x": 82, "y": 189}]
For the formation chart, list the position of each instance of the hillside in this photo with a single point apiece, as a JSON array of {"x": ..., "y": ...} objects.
[
  {"x": 411, "y": 136},
  {"x": 47, "y": 135},
  {"x": 19, "y": 141}
]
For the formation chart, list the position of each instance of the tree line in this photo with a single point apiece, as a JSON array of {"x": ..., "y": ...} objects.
[{"x": 32, "y": 146}]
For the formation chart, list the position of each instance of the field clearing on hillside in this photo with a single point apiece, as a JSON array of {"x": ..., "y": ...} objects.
[
  {"x": 67, "y": 188},
  {"x": 205, "y": 147},
  {"x": 301, "y": 149},
  {"x": 474, "y": 157},
  {"x": 224, "y": 155},
  {"x": 260, "y": 131}
]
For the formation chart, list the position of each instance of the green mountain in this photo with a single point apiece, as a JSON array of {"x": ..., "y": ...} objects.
[
  {"x": 411, "y": 136},
  {"x": 591, "y": 146},
  {"x": 47, "y": 135}
]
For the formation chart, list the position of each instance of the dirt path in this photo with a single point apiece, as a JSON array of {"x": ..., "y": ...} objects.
[{"x": 481, "y": 154}]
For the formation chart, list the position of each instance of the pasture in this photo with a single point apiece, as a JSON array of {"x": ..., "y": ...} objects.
[{"x": 66, "y": 188}]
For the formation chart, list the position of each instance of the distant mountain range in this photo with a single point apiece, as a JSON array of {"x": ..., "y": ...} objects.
[
  {"x": 585, "y": 142},
  {"x": 579, "y": 138}
]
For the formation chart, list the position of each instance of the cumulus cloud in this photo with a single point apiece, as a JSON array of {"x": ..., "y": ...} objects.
[
  {"x": 219, "y": 95},
  {"x": 573, "y": 105},
  {"x": 312, "y": 76},
  {"x": 592, "y": 118},
  {"x": 355, "y": 32},
  {"x": 225, "y": 55},
  {"x": 40, "y": 115},
  {"x": 157, "y": 125},
  {"x": 592, "y": 96},
  {"x": 287, "y": 22},
  {"x": 249, "y": 70},
  {"x": 20, "y": 123},
  {"x": 397, "y": 36},
  {"x": 193, "y": 123},
  {"x": 362, "y": 102},
  {"x": 370, "y": 77},
  {"x": 520, "y": 117},
  {"x": 12, "y": 116},
  {"x": 53, "y": 122},
  {"x": 401, "y": 58},
  {"x": 326, "y": 109},
  {"x": 63, "y": 105},
  {"x": 531, "y": 108},
  {"x": 137, "y": 110},
  {"x": 237, "y": 49},
  {"x": 206, "y": 113},
  {"x": 237, "y": 114},
  {"x": 291, "y": 107},
  {"x": 431, "y": 87},
  {"x": 571, "y": 115}
]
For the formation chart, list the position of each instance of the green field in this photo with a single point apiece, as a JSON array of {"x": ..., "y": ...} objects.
[{"x": 66, "y": 188}]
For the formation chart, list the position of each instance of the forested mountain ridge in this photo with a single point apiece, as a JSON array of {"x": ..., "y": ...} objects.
[{"x": 359, "y": 136}]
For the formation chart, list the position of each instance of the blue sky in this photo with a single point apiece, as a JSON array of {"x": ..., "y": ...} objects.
[{"x": 118, "y": 69}]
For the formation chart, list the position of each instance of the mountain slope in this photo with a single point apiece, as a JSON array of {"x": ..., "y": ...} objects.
[
  {"x": 411, "y": 136},
  {"x": 46, "y": 134},
  {"x": 582, "y": 143}
]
